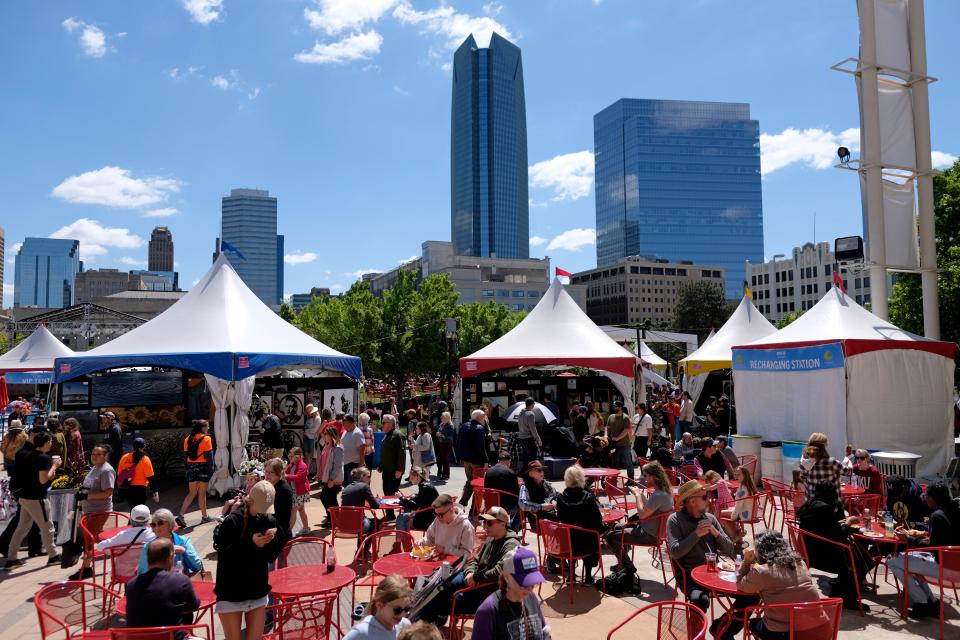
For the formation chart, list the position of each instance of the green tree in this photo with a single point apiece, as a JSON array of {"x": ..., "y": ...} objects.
[
  {"x": 787, "y": 319},
  {"x": 287, "y": 312},
  {"x": 480, "y": 324},
  {"x": 906, "y": 307},
  {"x": 349, "y": 323},
  {"x": 700, "y": 306}
]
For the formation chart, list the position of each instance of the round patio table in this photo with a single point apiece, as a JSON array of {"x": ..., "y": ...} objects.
[
  {"x": 600, "y": 472},
  {"x": 612, "y": 515},
  {"x": 106, "y": 534},
  {"x": 848, "y": 490},
  {"x": 309, "y": 580},
  {"x": 406, "y": 566},
  {"x": 712, "y": 581}
]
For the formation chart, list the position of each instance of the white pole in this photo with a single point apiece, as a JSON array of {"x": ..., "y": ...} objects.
[
  {"x": 870, "y": 109},
  {"x": 921, "y": 133}
]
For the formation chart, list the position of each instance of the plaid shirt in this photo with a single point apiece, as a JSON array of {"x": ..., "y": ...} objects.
[{"x": 823, "y": 470}]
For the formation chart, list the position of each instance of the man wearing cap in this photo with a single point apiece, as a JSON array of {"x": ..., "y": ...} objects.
[
  {"x": 311, "y": 431},
  {"x": 581, "y": 428},
  {"x": 353, "y": 442},
  {"x": 114, "y": 437},
  {"x": 691, "y": 534},
  {"x": 619, "y": 435},
  {"x": 530, "y": 442},
  {"x": 710, "y": 459},
  {"x": 139, "y": 530},
  {"x": 483, "y": 569},
  {"x": 513, "y": 611}
]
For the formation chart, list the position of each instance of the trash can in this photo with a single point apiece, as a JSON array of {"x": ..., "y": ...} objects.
[
  {"x": 792, "y": 452},
  {"x": 771, "y": 459},
  {"x": 897, "y": 463}
]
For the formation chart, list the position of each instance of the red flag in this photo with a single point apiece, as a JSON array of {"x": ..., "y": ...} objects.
[
  {"x": 838, "y": 281},
  {"x": 561, "y": 272}
]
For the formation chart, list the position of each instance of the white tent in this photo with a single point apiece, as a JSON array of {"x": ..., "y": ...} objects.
[
  {"x": 223, "y": 330},
  {"x": 649, "y": 357},
  {"x": 36, "y": 353},
  {"x": 843, "y": 371},
  {"x": 558, "y": 332},
  {"x": 744, "y": 325}
]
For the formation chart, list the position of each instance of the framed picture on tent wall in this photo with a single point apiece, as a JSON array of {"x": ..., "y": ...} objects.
[
  {"x": 266, "y": 403},
  {"x": 289, "y": 408},
  {"x": 75, "y": 393},
  {"x": 338, "y": 400}
]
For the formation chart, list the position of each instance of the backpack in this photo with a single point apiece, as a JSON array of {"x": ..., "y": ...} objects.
[
  {"x": 619, "y": 583},
  {"x": 563, "y": 443},
  {"x": 193, "y": 447}
]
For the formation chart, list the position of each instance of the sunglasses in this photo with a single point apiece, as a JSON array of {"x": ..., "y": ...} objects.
[
  {"x": 440, "y": 514},
  {"x": 157, "y": 524},
  {"x": 863, "y": 457},
  {"x": 399, "y": 610}
]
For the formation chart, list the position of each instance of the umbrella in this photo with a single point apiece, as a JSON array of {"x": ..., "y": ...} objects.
[{"x": 513, "y": 413}]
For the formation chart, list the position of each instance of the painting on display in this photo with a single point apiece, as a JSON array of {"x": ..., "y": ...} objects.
[
  {"x": 337, "y": 400},
  {"x": 266, "y": 403},
  {"x": 75, "y": 393},
  {"x": 289, "y": 408}
]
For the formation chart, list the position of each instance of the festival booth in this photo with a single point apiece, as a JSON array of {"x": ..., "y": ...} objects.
[
  {"x": 557, "y": 334},
  {"x": 713, "y": 360},
  {"x": 840, "y": 370},
  {"x": 222, "y": 330},
  {"x": 31, "y": 362},
  {"x": 649, "y": 357}
]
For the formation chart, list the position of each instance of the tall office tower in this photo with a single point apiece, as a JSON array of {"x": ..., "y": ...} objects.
[
  {"x": 45, "y": 271},
  {"x": 160, "y": 250},
  {"x": 249, "y": 224},
  {"x": 488, "y": 152},
  {"x": 679, "y": 180}
]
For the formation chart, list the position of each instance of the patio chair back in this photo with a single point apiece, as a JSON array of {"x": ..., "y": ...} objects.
[
  {"x": 675, "y": 621},
  {"x": 749, "y": 462},
  {"x": 301, "y": 551},
  {"x": 347, "y": 522},
  {"x": 304, "y": 619},
  {"x": 71, "y": 608},
  {"x": 162, "y": 633},
  {"x": 124, "y": 562}
]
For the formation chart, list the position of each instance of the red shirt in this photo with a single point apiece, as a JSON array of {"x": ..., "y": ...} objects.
[
  {"x": 334, "y": 423},
  {"x": 672, "y": 409}
]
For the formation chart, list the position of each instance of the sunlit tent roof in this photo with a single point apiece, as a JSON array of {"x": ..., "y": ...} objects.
[
  {"x": 36, "y": 353},
  {"x": 220, "y": 327},
  {"x": 744, "y": 325},
  {"x": 649, "y": 357}
]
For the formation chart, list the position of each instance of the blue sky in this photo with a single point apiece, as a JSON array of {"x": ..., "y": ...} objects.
[{"x": 119, "y": 116}]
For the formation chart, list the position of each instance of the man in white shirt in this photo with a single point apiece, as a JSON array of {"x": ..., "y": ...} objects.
[
  {"x": 643, "y": 429},
  {"x": 352, "y": 442},
  {"x": 139, "y": 530},
  {"x": 685, "y": 419}
]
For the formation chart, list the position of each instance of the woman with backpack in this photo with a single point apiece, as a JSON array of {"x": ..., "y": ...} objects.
[
  {"x": 135, "y": 475},
  {"x": 198, "y": 451}
]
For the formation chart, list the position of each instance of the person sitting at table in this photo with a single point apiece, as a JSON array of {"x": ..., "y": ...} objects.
[
  {"x": 590, "y": 451},
  {"x": 482, "y": 569},
  {"x": 577, "y": 506},
  {"x": 162, "y": 523},
  {"x": 386, "y": 615},
  {"x": 741, "y": 508},
  {"x": 778, "y": 575},
  {"x": 905, "y": 500},
  {"x": 656, "y": 500},
  {"x": 944, "y": 531},
  {"x": 159, "y": 596},
  {"x": 138, "y": 531},
  {"x": 451, "y": 531},
  {"x": 819, "y": 517},
  {"x": 504, "y": 479},
  {"x": 710, "y": 458},
  {"x": 865, "y": 474},
  {"x": 817, "y": 465},
  {"x": 358, "y": 494},
  {"x": 513, "y": 610},
  {"x": 538, "y": 498},
  {"x": 691, "y": 534},
  {"x": 683, "y": 450},
  {"x": 730, "y": 457},
  {"x": 426, "y": 494}
]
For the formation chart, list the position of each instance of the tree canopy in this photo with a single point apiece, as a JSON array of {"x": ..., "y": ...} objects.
[{"x": 700, "y": 306}]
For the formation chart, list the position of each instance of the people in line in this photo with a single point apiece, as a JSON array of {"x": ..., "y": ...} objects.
[
  {"x": 418, "y": 510},
  {"x": 451, "y": 531},
  {"x": 162, "y": 523},
  {"x": 97, "y": 492},
  {"x": 513, "y": 610},
  {"x": 578, "y": 506},
  {"x": 246, "y": 542},
  {"x": 198, "y": 457},
  {"x": 283, "y": 497},
  {"x": 655, "y": 500},
  {"x": 35, "y": 471},
  {"x": 299, "y": 480},
  {"x": 135, "y": 474},
  {"x": 160, "y": 596},
  {"x": 386, "y": 615},
  {"x": 330, "y": 472}
]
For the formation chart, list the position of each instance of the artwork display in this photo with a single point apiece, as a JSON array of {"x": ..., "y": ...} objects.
[
  {"x": 338, "y": 400},
  {"x": 153, "y": 416},
  {"x": 487, "y": 387},
  {"x": 75, "y": 393},
  {"x": 289, "y": 408},
  {"x": 266, "y": 403}
]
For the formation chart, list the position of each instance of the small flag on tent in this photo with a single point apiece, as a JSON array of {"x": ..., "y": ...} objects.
[
  {"x": 746, "y": 290},
  {"x": 838, "y": 281},
  {"x": 561, "y": 272},
  {"x": 226, "y": 247}
]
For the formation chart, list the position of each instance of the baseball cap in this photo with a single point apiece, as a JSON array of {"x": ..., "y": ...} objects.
[
  {"x": 496, "y": 513},
  {"x": 140, "y": 514},
  {"x": 262, "y": 495},
  {"x": 521, "y": 563},
  {"x": 582, "y": 408},
  {"x": 139, "y": 443}
]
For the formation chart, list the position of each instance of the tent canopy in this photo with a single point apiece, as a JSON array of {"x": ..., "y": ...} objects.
[
  {"x": 36, "y": 353},
  {"x": 649, "y": 357},
  {"x": 556, "y": 332},
  {"x": 744, "y": 325},
  {"x": 221, "y": 328}
]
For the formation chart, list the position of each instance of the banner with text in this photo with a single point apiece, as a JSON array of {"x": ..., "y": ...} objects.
[{"x": 821, "y": 356}]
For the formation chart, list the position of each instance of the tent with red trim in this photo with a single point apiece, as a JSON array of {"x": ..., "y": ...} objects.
[
  {"x": 557, "y": 333},
  {"x": 36, "y": 353},
  {"x": 842, "y": 371}
]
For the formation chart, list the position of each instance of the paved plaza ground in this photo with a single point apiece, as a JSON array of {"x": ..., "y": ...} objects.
[{"x": 591, "y": 615}]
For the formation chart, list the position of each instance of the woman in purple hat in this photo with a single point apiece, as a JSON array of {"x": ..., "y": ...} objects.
[{"x": 513, "y": 611}]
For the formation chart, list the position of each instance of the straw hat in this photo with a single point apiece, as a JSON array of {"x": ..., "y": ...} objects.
[
  {"x": 690, "y": 489},
  {"x": 310, "y": 410}
]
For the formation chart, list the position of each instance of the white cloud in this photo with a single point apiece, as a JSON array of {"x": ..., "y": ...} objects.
[
  {"x": 253, "y": 95},
  {"x": 337, "y": 16},
  {"x": 573, "y": 240},
  {"x": 942, "y": 160},
  {"x": 455, "y": 27},
  {"x": 815, "y": 148},
  {"x": 299, "y": 257},
  {"x": 92, "y": 39},
  {"x": 194, "y": 283},
  {"x": 400, "y": 90},
  {"x": 132, "y": 262},
  {"x": 7, "y": 289},
  {"x": 12, "y": 252},
  {"x": 164, "y": 212},
  {"x": 182, "y": 74},
  {"x": 492, "y": 8},
  {"x": 336, "y": 288},
  {"x": 570, "y": 175},
  {"x": 536, "y": 241},
  {"x": 446, "y": 66},
  {"x": 359, "y": 273},
  {"x": 115, "y": 187},
  {"x": 221, "y": 82},
  {"x": 203, "y": 11},
  {"x": 95, "y": 238},
  {"x": 357, "y": 46}
]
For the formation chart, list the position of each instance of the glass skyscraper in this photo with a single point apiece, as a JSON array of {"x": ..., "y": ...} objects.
[
  {"x": 249, "y": 224},
  {"x": 488, "y": 152},
  {"x": 45, "y": 272},
  {"x": 679, "y": 180}
]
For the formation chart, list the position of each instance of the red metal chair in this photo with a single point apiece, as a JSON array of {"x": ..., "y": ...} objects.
[
  {"x": 789, "y": 500},
  {"x": 671, "y": 476},
  {"x": 675, "y": 621},
  {"x": 948, "y": 575},
  {"x": 619, "y": 496},
  {"x": 303, "y": 619},
  {"x": 819, "y": 620},
  {"x": 458, "y": 621},
  {"x": 679, "y": 579},
  {"x": 124, "y": 563},
  {"x": 749, "y": 462},
  {"x": 557, "y": 543},
  {"x": 757, "y": 504},
  {"x": 161, "y": 633},
  {"x": 347, "y": 522},
  {"x": 413, "y": 518},
  {"x": 91, "y": 525},
  {"x": 690, "y": 471},
  {"x": 801, "y": 539},
  {"x": 300, "y": 551},
  {"x": 656, "y": 550},
  {"x": 74, "y": 609},
  {"x": 855, "y": 505},
  {"x": 377, "y": 545}
]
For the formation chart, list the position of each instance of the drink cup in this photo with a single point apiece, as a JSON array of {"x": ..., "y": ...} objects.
[{"x": 711, "y": 562}]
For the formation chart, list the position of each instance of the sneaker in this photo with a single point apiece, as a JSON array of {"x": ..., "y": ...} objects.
[
  {"x": 54, "y": 559},
  {"x": 10, "y": 564},
  {"x": 181, "y": 522},
  {"x": 83, "y": 574},
  {"x": 205, "y": 519},
  {"x": 304, "y": 532},
  {"x": 925, "y": 609}
]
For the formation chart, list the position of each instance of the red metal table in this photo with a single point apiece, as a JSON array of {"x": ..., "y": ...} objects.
[
  {"x": 600, "y": 472},
  {"x": 311, "y": 580},
  {"x": 848, "y": 490},
  {"x": 408, "y": 567},
  {"x": 612, "y": 515},
  {"x": 717, "y": 585}
]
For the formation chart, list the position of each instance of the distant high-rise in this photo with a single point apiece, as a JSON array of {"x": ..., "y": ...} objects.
[
  {"x": 160, "y": 250},
  {"x": 249, "y": 224},
  {"x": 44, "y": 272},
  {"x": 488, "y": 152},
  {"x": 679, "y": 180}
]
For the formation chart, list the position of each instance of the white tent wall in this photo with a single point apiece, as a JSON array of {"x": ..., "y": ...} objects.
[
  {"x": 229, "y": 397},
  {"x": 790, "y": 405},
  {"x": 900, "y": 400},
  {"x": 694, "y": 385}
]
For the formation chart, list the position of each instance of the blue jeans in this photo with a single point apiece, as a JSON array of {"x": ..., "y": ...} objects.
[
  {"x": 758, "y": 629},
  {"x": 623, "y": 459},
  {"x": 404, "y": 521}
]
